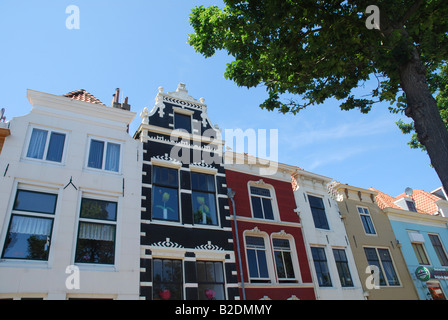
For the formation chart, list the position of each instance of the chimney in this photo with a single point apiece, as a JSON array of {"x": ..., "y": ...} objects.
[{"x": 116, "y": 101}]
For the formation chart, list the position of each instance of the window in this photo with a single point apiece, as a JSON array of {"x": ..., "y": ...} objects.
[
  {"x": 321, "y": 266},
  {"x": 96, "y": 234},
  {"x": 182, "y": 121},
  {"x": 411, "y": 205},
  {"x": 435, "y": 290},
  {"x": 31, "y": 224},
  {"x": 256, "y": 259},
  {"x": 438, "y": 248},
  {"x": 283, "y": 260},
  {"x": 261, "y": 203},
  {"x": 318, "y": 212},
  {"x": 46, "y": 145},
  {"x": 420, "y": 253},
  {"x": 366, "y": 220},
  {"x": 167, "y": 279},
  {"x": 104, "y": 155},
  {"x": 381, "y": 258},
  {"x": 203, "y": 198},
  {"x": 165, "y": 193},
  {"x": 210, "y": 280},
  {"x": 342, "y": 265}
]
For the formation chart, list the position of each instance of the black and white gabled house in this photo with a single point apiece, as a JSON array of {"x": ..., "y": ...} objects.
[{"x": 187, "y": 250}]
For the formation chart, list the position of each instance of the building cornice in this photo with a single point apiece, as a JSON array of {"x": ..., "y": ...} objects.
[
  {"x": 414, "y": 217},
  {"x": 63, "y": 106}
]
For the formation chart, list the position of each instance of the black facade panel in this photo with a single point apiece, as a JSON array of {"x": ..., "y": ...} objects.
[
  {"x": 232, "y": 293},
  {"x": 191, "y": 293},
  {"x": 187, "y": 211},
  {"x": 229, "y": 268},
  {"x": 185, "y": 182},
  {"x": 190, "y": 272}
]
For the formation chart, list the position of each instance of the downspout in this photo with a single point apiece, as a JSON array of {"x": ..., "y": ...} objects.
[{"x": 230, "y": 194}]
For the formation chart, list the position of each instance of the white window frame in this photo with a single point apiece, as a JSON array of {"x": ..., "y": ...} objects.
[
  {"x": 294, "y": 258},
  {"x": 84, "y": 194},
  {"x": 42, "y": 188},
  {"x": 262, "y": 185},
  {"x": 271, "y": 279},
  {"x": 103, "y": 163},
  {"x": 370, "y": 217},
  {"x": 47, "y": 142}
]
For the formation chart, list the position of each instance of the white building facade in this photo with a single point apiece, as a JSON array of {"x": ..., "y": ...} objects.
[
  {"x": 331, "y": 260},
  {"x": 70, "y": 194}
]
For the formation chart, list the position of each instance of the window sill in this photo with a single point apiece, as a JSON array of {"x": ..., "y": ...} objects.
[
  {"x": 96, "y": 267},
  {"x": 44, "y": 162},
  {"x": 102, "y": 171},
  {"x": 22, "y": 263}
]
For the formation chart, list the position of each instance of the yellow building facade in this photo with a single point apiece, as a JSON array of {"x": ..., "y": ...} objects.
[{"x": 378, "y": 258}]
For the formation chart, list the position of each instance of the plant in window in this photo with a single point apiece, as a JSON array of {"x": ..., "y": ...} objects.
[
  {"x": 165, "y": 294},
  {"x": 210, "y": 294},
  {"x": 165, "y": 199},
  {"x": 201, "y": 215}
]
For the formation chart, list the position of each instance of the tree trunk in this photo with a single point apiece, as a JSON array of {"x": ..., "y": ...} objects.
[{"x": 422, "y": 108}]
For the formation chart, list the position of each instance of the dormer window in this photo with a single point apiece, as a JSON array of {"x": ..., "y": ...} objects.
[{"x": 411, "y": 205}]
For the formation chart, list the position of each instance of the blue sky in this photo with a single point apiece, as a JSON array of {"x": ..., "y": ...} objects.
[{"x": 140, "y": 45}]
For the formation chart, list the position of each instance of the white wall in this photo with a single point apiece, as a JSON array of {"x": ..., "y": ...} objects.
[
  {"x": 47, "y": 279},
  {"x": 333, "y": 238}
]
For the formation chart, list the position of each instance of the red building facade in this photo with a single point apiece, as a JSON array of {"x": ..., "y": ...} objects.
[{"x": 268, "y": 238}]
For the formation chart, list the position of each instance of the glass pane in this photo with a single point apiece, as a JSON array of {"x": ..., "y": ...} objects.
[
  {"x": 165, "y": 176},
  {"x": 262, "y": 264},
  {"x": 255, "y": 242},
  {"x": 98, "y": 209},
  {"x": 182, "y": 121},
  {"x": 288, "y": 265},
  {"x": 211, "y": 291},
  {"x": 279, "y": 264},
  {"x": 96, "y": 243},
  {"x": 200, "y": 267},
  {"x": 252, "y": 262},
  {"x": 281, "y": 244},
  {"x": 157, "y": 270},
  {"x": 28, "y": 238},
  {"x": 167, "y": 279},
  {"x": 112, "y": 157},
  {"x": 96, "y": 154},
  {"x": 56, "y": 147},
  {"x": 267, "y": 208},
  {"x": 204, "y": 208},
  {"x": 202, "y": 182},
  {"x": 316, "y": 202},
  {"x": 35, "y": 202},
  {"x": 219, "y": 272},
  {"x": 165, "y": 204},
  {"x": 37, "y": 144},
  {"x": 257, "y": 208},
  {"x": 260, "y": 191}
]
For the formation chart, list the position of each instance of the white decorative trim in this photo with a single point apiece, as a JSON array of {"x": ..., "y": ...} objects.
[
  {"x": 167, "y": 244},
  {"x": 265, "y": 298},
  {"x": 209, "y": 246},
  {"x": 293, "y": 297},
  {"x": 203, "y": 167},
  {"x": 166, "y": 161}
]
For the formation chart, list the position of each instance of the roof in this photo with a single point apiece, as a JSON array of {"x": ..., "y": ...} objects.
[
  {"x": 83, "y": 95},
  {"x": 425, "y": 202}
]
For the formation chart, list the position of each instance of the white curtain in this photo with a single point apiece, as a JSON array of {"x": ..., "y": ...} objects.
[
  {"x": 37, "y": 144},
  {"x": 112, "y": 157},
  {"x": 93, "y": 231},
  {"x": 30, "y": 225}
]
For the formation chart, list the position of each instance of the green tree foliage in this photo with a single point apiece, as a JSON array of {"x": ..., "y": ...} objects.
[{"x": 317, "y": 49}]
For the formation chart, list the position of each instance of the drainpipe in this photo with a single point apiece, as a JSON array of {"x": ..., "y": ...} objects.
[{"x": 231, "y": 194}]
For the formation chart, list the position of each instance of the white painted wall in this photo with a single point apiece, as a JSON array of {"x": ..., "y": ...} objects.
[
  {"x": 333, "y": 238},
  {"x": 47, "y": 279}
]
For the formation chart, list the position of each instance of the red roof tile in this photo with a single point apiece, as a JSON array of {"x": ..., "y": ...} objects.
[
  {"x": 83, "y": 95},
  {"x": 424, "y": 201}
]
